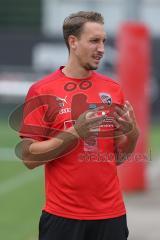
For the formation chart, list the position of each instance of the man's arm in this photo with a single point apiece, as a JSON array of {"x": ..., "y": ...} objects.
[
  {"x": 126, "y": 133},
  {"x": 36, "y": 153}
]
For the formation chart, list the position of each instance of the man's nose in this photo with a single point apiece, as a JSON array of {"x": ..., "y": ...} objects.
[{"x": 101, "y": 48}]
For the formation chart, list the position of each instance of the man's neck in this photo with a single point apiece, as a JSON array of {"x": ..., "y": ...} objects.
[{"x": 73, "y": 70}]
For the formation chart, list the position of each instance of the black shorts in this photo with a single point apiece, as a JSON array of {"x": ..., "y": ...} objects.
[{"x": 52, "y": 227}]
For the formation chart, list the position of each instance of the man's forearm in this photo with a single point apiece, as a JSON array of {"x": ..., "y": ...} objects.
[
  {"x": 125, "y": 148},
  {"x": 35, "y": 153}
]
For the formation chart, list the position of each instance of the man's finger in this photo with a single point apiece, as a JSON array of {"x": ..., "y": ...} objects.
[
  {"x": 91, "y": 112},
  {"x": 129, "y": 107},
  {"x": 96, "y": 121},
  {"x": 122, "y": 112},
  {"x": 116, "y": 124}
]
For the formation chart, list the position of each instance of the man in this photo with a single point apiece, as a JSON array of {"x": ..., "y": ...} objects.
[{"x": 78, "y": 126}]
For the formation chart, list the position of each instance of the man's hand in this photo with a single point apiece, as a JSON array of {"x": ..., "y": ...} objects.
[
  {"x": 125, "y": 120},
  {"x": 87, "y": 121},
  {"x": 126, "y": 132}
]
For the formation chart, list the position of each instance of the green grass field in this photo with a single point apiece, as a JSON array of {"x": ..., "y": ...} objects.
[{"x": 21, "y": 190}]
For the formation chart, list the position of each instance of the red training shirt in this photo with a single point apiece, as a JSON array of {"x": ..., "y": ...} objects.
[{"x": 81, "y": 184}]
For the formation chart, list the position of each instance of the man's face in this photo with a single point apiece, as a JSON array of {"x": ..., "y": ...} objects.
[{"x": 89, "y": 48}]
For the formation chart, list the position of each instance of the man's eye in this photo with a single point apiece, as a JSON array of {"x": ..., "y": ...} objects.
[{"x": 94, "y": 40}]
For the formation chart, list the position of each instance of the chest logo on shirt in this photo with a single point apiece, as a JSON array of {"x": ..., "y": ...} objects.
[
  {"x": 105, "y": 98},
  {"x": 61, "y": 101}
]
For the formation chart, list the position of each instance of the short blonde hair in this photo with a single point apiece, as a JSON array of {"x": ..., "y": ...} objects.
[{"x": 73, "y": 24}]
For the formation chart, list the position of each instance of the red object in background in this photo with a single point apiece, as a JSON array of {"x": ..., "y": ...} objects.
[{"x": 133, "y": 43}]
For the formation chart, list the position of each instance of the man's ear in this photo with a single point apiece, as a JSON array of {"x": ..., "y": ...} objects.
[{"x": 72, "y": 40}]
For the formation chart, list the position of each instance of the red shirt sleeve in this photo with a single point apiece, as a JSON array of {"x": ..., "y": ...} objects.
[{"x": 33, "y": 124}]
